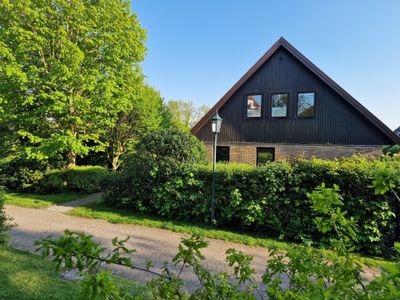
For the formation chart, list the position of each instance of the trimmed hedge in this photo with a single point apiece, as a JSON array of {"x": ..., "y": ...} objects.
[
  {"x": 25, "y": 175},
  {"x": 270, "y": 200},
  {"x": 80, "y": 179}
]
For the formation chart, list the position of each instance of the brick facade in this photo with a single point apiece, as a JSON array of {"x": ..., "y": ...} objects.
[{"x": 247, "y": 152}]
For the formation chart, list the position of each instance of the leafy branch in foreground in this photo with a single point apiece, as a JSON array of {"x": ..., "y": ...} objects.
[
  {"x": 75, "y": 250},
  {"x": 300, "y": 273},
  {"x": 78, "y": 251}
]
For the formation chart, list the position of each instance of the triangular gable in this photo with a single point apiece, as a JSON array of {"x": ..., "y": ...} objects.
[{"x": 314, "y": 69}]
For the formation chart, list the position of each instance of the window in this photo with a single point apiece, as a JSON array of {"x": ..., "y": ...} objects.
[
  {"x": 279, "y": 105},
  {"x": 265, "y": 155},
  {"x": 306, "y": 105},
  {"x": 254, "y": 106},
  {"x": 222, "y": 154}
]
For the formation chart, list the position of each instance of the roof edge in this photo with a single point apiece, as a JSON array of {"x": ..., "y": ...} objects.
[{"x": 281, "y": 42}]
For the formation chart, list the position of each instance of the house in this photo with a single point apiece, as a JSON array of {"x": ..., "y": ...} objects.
[
  {"x": 285, "y": 106},
  {"x": 397, "y": 131}
]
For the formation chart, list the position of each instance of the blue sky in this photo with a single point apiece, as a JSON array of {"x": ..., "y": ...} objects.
[{"x": 198, "y": 49}]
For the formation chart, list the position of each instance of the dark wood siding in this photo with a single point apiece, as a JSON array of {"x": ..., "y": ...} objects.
[{"x": 335, "y": 121}]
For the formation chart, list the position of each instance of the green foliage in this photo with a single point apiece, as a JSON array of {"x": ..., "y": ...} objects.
[
  {"x": 328, "y": 203},
  {"x": 184, "y": 114},
  {"x": 146, "y": 114},
  {"x": 271, "y": 199},
  {"x": 158, "y": 152},
  {"x": 386, "y": 177},
  {"x": 68, "y": 69},
  {"x": 30, "y": 176},
  {"x": 392, "y": 150},
  {"x": 21, "y": 174},
  {"x": 85, "y": 178},
  {"x": 171, "y": 144},
  {"x": 4, "y": 225},
  {"x": 78, "y": 251},
  {"x": 309, "y": 274},
  {"x": 79, "y": 179},
  {"x": 315, "y": 275},
  {"x": 100, "y": 286}
]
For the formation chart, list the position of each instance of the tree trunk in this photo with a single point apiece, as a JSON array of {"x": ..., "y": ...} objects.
[
  {"x": 71, "y": 159},
  {"x": 115, "y": 162}
]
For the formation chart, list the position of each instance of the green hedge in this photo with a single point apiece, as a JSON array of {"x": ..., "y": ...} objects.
[
  {"x": 270, "y": 200},
  {"x": 20, "y": 174},
  {"x": 27, "y": 175},
  {"x": 81, "y": 179}
]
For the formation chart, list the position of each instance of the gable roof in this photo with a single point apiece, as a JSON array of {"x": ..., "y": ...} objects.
[{"x": 314, "y": 69}]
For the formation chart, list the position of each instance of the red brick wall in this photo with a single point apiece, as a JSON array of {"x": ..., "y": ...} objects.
[{"x": 247, "y": 152}]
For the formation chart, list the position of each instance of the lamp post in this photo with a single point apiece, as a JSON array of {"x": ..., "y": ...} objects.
[{"x": 215, "y": 128}]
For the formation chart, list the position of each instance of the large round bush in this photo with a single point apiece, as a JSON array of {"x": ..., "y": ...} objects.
[
  {"x": 158, "y": 155},
  {"x": 173, "y": 144}
]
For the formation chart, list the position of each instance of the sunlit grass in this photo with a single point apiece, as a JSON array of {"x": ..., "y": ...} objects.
[
  {"x": 39, "y": 201},
  {"x": 24, "y": 276}
]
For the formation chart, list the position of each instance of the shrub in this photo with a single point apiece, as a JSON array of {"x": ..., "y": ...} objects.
[
  {"x": 81, "y": 179},
  {"x": 3, "y": 221},
  {"x": 28, "y": 175},
  {"x": 171, "y": 144},
  {"x": 85, "y": 178},
  {"x": 21, "y": 174},
  {"x": 269, "y": 200},
  {"x": 159, "y": 155},
  {"x": 392, "y": 150}
]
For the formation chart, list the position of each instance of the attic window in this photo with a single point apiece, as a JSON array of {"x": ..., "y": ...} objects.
[
  {"x": 306, "y": 105},
  {"x": 253, "y": 105},
  {"x": 279, "y": 105}
]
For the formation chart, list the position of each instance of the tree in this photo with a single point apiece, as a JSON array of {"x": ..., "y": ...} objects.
[
  {"x": 184, "y": 114},
  {"x": 146, "y": 114},
  {"x": 68, "y": 69}
]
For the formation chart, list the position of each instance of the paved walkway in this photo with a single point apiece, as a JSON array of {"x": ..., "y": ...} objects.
[
  {"x": 152, "y": 244},
  {"x": 67, "y": 206}
]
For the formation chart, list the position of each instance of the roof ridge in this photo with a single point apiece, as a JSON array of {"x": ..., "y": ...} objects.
[{"x": 282, "y": 42}]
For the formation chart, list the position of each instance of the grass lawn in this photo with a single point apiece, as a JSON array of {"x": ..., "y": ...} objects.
[
  {"x": 39, "y": 201},
  {"x": 113, "y": 215},
  {"x": 28, "y": 276},
  {"x": 24, "y": 276}
]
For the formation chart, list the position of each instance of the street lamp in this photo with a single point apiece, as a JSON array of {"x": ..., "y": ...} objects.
[{"x": 215, "y": 128}]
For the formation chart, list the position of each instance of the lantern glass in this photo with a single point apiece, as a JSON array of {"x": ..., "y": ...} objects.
[
  {"x": 216, "y": 123},
  {"x": 214, "y": 127}
]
